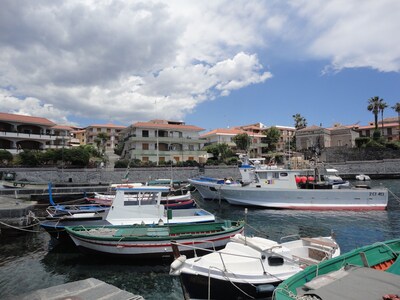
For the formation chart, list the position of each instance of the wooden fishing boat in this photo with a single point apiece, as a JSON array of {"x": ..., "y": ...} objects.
[
  {"x": 64, "y": 210},
  {"x": 152, "y": 240},
  {"x": 138, "y": 205},
  {"x": 366, "y": 273},
  {"x": 249, "y": 267}
]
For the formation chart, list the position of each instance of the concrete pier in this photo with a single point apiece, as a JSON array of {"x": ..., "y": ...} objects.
[
  {"x": 15, "y": 215},
  {"x": 88, "y": 289}
]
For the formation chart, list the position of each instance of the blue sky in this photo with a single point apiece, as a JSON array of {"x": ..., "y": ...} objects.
[
  {"x": 212, "y": 64},
  {"x": 299, "y": 87}
]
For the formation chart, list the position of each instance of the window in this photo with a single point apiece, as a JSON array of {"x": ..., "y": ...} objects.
[
  {"x": 389, "y": 131},
  {"x": 145, "y": 159},
  {"x": 145, "y": 133},
  {"x": 161, "y": 159},
  {"x": 275, "y": 261},
  {"x": 145, "y": 146},
  {"x": 190, "y": 158},
  {"x": 176, "y": 158}
]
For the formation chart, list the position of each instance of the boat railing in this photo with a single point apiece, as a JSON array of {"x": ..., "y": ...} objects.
[{"x": 195, "y": 248}]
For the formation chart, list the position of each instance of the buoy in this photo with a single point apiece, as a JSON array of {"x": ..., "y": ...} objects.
[{"x": 177, "y": 263}]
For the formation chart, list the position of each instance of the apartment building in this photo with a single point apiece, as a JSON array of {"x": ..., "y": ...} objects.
[
  {"x": 390, "y": 129},
  {"x": 226, "y": 135},
  {"x": 319, "y": 137},
  {"x": 18, "y": 132},
  {"x": 163, "y": 141},
  {"x": 92, "y": 131}
]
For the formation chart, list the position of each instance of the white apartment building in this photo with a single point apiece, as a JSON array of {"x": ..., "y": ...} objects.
[{"x": 163, "y": 141}]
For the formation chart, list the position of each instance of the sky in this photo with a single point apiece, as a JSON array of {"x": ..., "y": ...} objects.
[{"x": 213, "y": 64}]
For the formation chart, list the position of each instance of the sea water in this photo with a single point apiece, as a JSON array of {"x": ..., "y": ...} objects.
[{"x": 32, "y": 261}]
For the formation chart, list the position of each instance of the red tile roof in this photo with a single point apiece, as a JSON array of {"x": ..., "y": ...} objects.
[
  {"x": 5, "y": 117},
  {"x": 109, "y": 125},
  {"x": 230, "y": 131},
  {"x": 379, "y": 126},
  {"x": 166, "y": 126}
]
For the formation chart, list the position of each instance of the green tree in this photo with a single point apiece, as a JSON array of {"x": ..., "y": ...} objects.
[
  {"x": 299, "y": 121},
  {"x": 382, "y": 106},
  {"x": 272, "y": 137},
  {"x": 224, "y": 150},
  {"x": 242, "y": 141},
  {"x": 396, "y": 108},
  {"x": 5, "y": 157},
  {"x": 213, "y": 149},
  {"x": 101, "y": 140},
  {"x": 28, "y": 158},
  {"x": 77, "y": 156},
  {"x": 373, "y": 106}
]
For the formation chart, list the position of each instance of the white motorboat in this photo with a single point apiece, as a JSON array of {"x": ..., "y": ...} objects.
[
  {"x": 300, "y": 189},
  {"x": 363, "y": 177},
  {"x": 138, "y": 205},
  {"x": 107, "y": 199},
  {"x": 249, "y": 267}
]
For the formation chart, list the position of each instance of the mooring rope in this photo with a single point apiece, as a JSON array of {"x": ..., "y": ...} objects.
[
  {"x": 397, "y": 198},
  {"x": 24, "y": 227}
]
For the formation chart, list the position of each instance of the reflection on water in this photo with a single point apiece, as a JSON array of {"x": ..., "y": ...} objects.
[{"x": 32, "y": 261}]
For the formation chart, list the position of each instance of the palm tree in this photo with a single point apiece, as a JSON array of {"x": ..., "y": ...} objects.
[
  {"x": 373, "y": 105},
  {"x": 299, "y": 121},
  {"x": 382, "y": 106},
  {"x": 396, "y": 107},
  {"x": 101, "y": 140}
]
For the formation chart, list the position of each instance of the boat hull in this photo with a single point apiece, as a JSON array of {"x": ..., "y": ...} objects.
[
  {"x": 198, "y": 287},
  {"x": 145, "y": 247},
  {"x": 209, "y": 188},
  {"x": 382, "y": 256},
  {"x": 338, "y": 199}
]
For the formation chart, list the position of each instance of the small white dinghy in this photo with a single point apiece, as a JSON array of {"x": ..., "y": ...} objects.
[
  {"x": 249, "y": 267},
  {"x": 363, "y": 177}
]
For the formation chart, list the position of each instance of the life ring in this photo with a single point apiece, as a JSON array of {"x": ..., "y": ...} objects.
[
  {"x": 22, "y": 184},
  {"x": 15, "y": 184}
]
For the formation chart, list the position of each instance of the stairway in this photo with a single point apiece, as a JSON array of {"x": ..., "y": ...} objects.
[{"x": 112, "y": 158}]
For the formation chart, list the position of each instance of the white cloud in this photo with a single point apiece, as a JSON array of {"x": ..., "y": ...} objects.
[
  {"x": 353, "y": 34},
  {"x": 132, "y": 60}
]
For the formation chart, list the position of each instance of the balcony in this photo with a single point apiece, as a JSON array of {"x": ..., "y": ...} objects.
[
  {"x": 26, "y": 136},
  {"x": 167, "y": 153},
  {"x": 177, "y": 140}
]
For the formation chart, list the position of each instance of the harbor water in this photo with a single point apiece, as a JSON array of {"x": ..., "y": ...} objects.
[{"x": 32, "y": 261}]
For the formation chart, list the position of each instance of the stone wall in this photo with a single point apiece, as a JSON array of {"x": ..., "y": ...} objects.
[
  {"x": 376, "y": 168},
  {"x": 96, "y": 176},
  {"x": 343, "y": 154}
]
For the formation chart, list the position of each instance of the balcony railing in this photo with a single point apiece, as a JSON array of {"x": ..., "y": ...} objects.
[
  {"x": 31, "y": 136},
  {"x": 168, "y": 153},
  {"x": 178, "y": 140}
]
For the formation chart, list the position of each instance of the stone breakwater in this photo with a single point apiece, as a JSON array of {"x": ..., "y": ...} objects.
[{"x": 389, "y": 168}]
